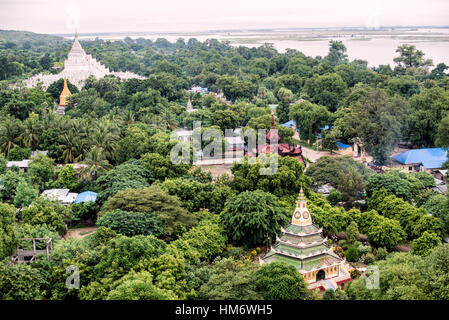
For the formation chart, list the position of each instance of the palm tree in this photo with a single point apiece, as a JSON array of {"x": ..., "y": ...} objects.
[
  {"x": 32, "y": 131},
  {"x": 80, "y": 148},
  {"x": 68, "y": 145},
  {"x": 105, "y": 135},
  {"x": 169, "y": 119},
  {"x": 128, "y": 117},
  {"x": 9, "y": 134},
  {"x": 96, "y": 163}
]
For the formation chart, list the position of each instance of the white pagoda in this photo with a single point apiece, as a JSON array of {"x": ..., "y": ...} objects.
[{"x": 77, "y": 67}]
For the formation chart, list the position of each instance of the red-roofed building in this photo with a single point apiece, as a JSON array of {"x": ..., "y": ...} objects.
[{"x": 283, "y": 149}]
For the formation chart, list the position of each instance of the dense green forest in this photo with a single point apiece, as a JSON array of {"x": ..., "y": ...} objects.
[{"x": 173, "y": 231}]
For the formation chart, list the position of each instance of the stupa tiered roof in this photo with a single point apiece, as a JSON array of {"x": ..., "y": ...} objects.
[{"x": 77, "y": 68}]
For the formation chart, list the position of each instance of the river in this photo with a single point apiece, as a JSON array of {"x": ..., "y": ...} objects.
[{"x": 375, "y": 46}]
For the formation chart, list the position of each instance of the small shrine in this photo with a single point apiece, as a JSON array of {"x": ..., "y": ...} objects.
[
  {"x": 302, "y": 245},
  {"x": 190, "y": 107}
]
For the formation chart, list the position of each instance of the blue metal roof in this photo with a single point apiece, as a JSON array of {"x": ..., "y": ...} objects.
[
  {"x": 86, "y": 196},
  {"x": 326, "y": 127},
  {"x": 430, "y": 158},
  {"x": 342, "y": 145},
  {"x": 289, "y": 124}
]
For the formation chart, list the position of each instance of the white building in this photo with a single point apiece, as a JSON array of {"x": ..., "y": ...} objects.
[
  {"x": 235, "y": 143},
  {"x": 62, "y": 195},
  {"x": 184, "y": 135},
  {"x": 23, "y": 165}
]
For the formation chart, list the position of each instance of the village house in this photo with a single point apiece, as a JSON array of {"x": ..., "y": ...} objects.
[
  {"x": 440, "y": 175},
  {"x": 62, "y": 195},
  {"x": 344, "y": 149},
  {"x": 184, "y": 135},
  {"x": 427, "y": 160},
  {"x": 22, "y": 165}
]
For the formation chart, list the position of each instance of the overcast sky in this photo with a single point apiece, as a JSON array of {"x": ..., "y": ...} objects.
[{"x": 61, "y": 16}]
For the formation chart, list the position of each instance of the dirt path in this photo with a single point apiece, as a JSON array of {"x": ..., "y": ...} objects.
[
  {"x": 217, "y": 170},
  {"x": 79, "y": 232},
  {"x": 314, "y": 155}
]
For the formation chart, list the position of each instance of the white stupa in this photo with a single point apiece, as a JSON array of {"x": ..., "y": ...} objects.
[{"x": 77, "y": 67}]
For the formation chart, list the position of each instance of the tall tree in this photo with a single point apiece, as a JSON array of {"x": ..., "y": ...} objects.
[
  {"x": 285, "y": 97},
  {"x": 375, "y": 121},
  {"x": 337, "y": 53},
  {"x": 410, "y": 57},
  {"x": 253, "y": 217},
  {"x": 280, "y": 281},
  {"x": 310, "y": 118}
]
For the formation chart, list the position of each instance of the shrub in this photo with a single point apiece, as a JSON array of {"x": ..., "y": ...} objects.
[
  {"x": 363, "y": 249},
  {"x": 424, "y": 244},
  {"x": 18, "y": 154},
  {"x": 382, "y": 254},
  {"x": 352, "y": 254},
  {"x": 343, "y": 244},
  {"x": 352, "y": 232},
  {"x": 20, "y": 282},
  {"x": 354, "y": 273},
  {"x": 368, "y": 258}
]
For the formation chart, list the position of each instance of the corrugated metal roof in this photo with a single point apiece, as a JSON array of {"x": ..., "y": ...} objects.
[
  {"x": 62, "y": 195},
  {"x": 289, "y": 124},
  {"x": 342, "y": 145},
  {"x": 430, "y": 158},
  {"x": 86, "y": 196}
]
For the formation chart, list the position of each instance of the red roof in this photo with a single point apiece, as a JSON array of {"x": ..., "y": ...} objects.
[
  {"x": 272, "y": 135},
  {"x": 284, "y": 149}
]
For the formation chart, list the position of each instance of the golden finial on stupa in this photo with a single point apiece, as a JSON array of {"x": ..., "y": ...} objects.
[
  {"x": 301, "y": 196},
  {"x": 64, "y": 94}
]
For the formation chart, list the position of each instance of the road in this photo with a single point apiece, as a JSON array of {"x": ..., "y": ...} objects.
[{"x": 314, "y": 155}]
